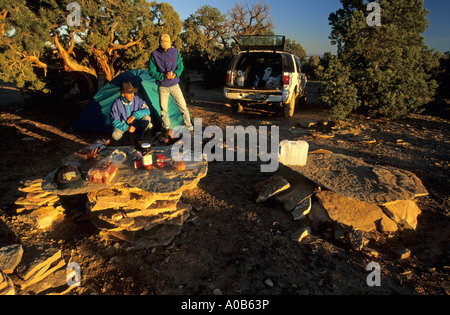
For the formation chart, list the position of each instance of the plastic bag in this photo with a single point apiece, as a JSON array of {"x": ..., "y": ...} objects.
[
  {"x": 267, "y": 73},
  {"x": 91, "y": 150},
  {"x": 274, "y": 81},
  {"x": 106, "y": 169}
]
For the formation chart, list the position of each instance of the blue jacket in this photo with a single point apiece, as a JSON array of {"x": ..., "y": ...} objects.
[
  {"x": 121, "y": 110},
  {"x": 162, "y": 62}
]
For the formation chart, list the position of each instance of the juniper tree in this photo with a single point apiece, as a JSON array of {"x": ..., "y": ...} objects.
[
  {"x": 112, "y": 36},
  {"x": 206, "y": 34},
  {"x": 339, "y": 92},
  {"x": 390, "y": 66}
]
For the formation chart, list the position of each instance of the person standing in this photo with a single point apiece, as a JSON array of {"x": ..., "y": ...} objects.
[
  {"x": 166, "y": 66},
  {"x": 129, "y": 114}
]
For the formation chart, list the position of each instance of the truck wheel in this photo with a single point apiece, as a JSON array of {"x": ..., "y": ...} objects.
[
  {"x": 289, "y": 108},
  {"x": 236, "y": 107}
]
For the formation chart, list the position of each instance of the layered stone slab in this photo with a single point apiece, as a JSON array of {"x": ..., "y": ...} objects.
[
  {"x": 162, "y": 181},
  {"x": 353, "y": 178}
]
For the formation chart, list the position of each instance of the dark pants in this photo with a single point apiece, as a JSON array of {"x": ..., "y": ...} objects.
[{"x": 141, "y": 126}]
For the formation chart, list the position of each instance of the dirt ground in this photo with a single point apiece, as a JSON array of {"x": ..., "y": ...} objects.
[{"x": 231, "y": 244}]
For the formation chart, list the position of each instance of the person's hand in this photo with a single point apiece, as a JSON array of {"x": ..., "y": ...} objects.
[
  {"x": 131, "y": 129},
  {"x": 130, "y": 120},
  {"x": 170, "y": 75}
]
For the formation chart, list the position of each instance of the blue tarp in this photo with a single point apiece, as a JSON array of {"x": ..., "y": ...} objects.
[{"x": 95, "y": 116}]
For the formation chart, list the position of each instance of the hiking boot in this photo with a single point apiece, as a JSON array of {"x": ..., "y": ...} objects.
[{"x": 165, "y": 137}]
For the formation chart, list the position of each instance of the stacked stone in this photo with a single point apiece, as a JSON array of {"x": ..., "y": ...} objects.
[
  {"x": 38, "y": 208},
  {"x": 344, "y": 196},
  {"x": 139, "y": 206},
  {"x": 6, "y": 285},
  {"x": 32, "y": 271},
  {"x": 137, "y": 216}
]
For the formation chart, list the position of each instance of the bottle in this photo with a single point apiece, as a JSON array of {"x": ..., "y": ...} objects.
[
  {"x": 138, "y": 159},
  {"x": 147, "y": 159},
  {"x": 161, "y": 160},
  {"x": 241, "y": 78},
  {"x": 293, "y": 152}
]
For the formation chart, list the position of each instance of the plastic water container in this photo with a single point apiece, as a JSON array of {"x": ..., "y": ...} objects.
[
  {"x": 293, "y": 152},
  {"x": 240, "y": 78}
]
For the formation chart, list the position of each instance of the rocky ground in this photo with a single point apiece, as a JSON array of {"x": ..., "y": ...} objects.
[{"x": 231, "y": 244}]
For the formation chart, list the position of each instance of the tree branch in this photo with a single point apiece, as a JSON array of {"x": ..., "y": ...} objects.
[
  {"x": 72, "y": 44},
  {"x": 70, "y": 64},
  {"x": 113, "y": 46},
  {"x": 3, "y": 14},
  {"x": 102, "y": 60},
  {"x": 113, "y": 29},
  {"x": 35, "y": 60}
]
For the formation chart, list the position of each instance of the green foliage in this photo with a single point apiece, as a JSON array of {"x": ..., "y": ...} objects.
[
  {"x": 22, "y": 37},
  {"x": 339, "y": 92},
  {"x": 215, "y": 71},
  {"x": 207, "y": 38},
  {"x": 443, "y": 78},
  {"x": 38, "y": 49},
  {"x": 114, "y": 36},
  {"x": 296, "y": 49},
  {"x": 206, "y": 34},
  {"x": 206, "y": 44},
  {"x": 390, "y": 66},
  {"x": 311, "y": 66}
]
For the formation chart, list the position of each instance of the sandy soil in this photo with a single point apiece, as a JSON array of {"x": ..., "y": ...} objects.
[{"x": 232, "y": 244}]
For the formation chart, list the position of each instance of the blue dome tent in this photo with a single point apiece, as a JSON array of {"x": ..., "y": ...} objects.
[{"x": 95, "y": 116}]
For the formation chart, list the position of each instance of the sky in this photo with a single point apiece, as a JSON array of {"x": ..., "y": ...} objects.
[{"x": 306, "y": 21}]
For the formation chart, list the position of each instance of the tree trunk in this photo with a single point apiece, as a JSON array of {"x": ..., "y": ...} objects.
[
  {"x": 3, "y": 14},
  {"x": 69, "y": 63},
  {"x": 102, "y": 60},
  {"x": 73, "y": 66}
]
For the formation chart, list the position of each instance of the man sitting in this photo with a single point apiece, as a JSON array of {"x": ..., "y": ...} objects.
[{"x": 129, "y": 114}]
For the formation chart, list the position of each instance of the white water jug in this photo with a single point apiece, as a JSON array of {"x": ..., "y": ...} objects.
[
  {"x": 293, "y": 152},
  {"x": 240, "y": 78}
]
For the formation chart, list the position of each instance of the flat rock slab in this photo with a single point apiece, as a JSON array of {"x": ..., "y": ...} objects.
[
  {"x": 160, "y": 235},
  {"x": 55, "y": 279},
  {"x": 353, "y": 178},
  {"x": 357, "y": 214},
  {"x": 300, "y": 189},
  {"x": 10, "y": 257},
  {"x": 165, "y": 180},
  {"x": 35, "y": 259},
  {"x": 44, "y": 217},
  {"x": 6, "y": 285},
  {"x": 271, "y": 187},
  {"x": 404, "y": 212}
]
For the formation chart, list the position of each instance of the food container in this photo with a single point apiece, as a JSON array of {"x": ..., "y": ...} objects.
[
  {"x": 147, "y": 158},
  {"x": 103, "y": 173},
  {"x": 106, "y": 169},
  {"x": 161, "y": 160},
  {"x": 138, "y": 160},
  {"x": 138, "y": 163},
  {"x": 179, "y": 165}
]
